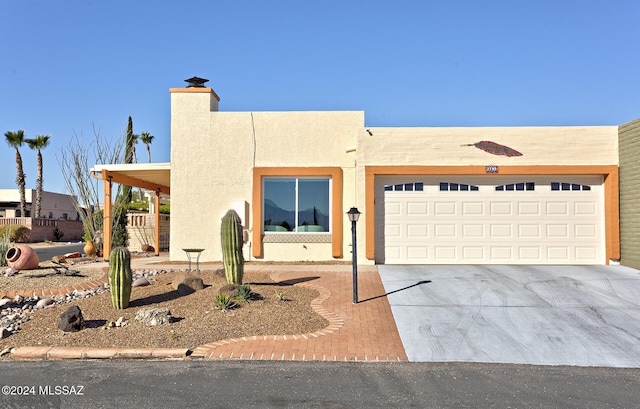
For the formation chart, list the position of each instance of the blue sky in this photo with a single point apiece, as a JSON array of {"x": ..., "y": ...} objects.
[{"x": 70, "y": 65}]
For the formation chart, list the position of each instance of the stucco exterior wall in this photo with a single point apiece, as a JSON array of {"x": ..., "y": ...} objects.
[
  {"x": 212, "y": 159},
  {"x": 629, "y": 140},
  {"x": 570, "y": 145}
]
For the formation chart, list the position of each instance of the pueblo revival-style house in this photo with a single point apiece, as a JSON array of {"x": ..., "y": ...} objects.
[{"x": 449, "y": 195}]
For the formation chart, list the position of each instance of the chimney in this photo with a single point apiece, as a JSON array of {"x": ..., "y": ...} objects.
[{"x": 199, "y": 93}]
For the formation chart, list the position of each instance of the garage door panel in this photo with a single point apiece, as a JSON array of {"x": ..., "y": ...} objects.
[
  {"x": 529, "y": 209},
  {"x": 473, "y": 208},
  {"x": 501, "y": 231},
  {"x": 501, "y": 208},
  {"x": 445, "y": 231},
  {"x": 531, "y": 231},
  {"x": 490, "y": 225},
  {"x": 557, "y": 230},
  {"x": 557, "y": 208},
  {"x": 417, "y": 209},
  {"x": 445, "y": 208}
]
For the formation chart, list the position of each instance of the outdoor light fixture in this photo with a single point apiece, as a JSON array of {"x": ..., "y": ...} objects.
[{"x": 354, "y": 215}]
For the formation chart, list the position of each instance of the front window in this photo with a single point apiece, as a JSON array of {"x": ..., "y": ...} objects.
[{"x": 296, "y": 204}]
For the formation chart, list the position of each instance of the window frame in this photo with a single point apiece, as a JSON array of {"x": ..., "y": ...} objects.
[
  {"x": 296, "y": 204},
  {"x": 336, "y": 205}
]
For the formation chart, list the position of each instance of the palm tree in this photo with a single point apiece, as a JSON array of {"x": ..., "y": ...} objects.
[
  {"x": 15, "y": 140},
  {"x": 38, "y": 143},
  {"x": 147, "y": 138}
]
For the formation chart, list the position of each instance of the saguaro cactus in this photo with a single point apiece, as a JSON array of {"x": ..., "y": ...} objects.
[
  {"x": 232, "y": 242},
  {"x": 120, "y": 277}
]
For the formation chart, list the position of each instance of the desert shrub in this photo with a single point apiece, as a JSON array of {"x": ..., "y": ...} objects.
[
  {"x": 243, "y": 293},
  {"x": 17, "y": 232},
  {"x": 224, "y": 302},
  {"x": 279, "y": 295},
  {"x": 5, "y": 244},
  {"x": 57, "y": 234}
]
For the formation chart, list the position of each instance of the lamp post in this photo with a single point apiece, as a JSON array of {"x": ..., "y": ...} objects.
[{"x": 354, "y": 215}]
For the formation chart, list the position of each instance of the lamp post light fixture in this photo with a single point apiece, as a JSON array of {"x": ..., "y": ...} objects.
[{"x": 354, "y": 215}]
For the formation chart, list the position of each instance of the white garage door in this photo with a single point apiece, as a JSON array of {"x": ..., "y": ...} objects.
[{"x": 490, "y": 220}]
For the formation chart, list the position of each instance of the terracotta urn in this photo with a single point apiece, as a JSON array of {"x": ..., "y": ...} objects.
[
  {"x": 22, "y": 257},
  {"x": 89, "y": 248}
]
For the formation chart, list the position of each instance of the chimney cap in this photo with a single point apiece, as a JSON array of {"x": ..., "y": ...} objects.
[{"x": 196, "y": 82}]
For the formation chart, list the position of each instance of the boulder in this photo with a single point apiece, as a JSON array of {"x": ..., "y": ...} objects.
[
  {"x": 58, "y": 259},
  {"x": 187, "y": 284},
  {"x": 148, "y": 248},
  {"x": 154, "y": 316},
  {"x": 140, "y": 282},
  {"x": 72, "y": 320},
  {"x": 45, "y": 302}
]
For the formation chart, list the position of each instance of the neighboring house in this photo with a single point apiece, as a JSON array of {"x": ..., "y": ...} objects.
[
  {"x": 473, "y": 195},
  {"x": 630, "y": 193},
  {"x": 59, "y": 220},
  {"x": 53, "y": 206}
]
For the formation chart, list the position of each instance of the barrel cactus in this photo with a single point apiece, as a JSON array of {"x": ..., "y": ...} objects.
[
  {"x": 232, "y": 241},
  {"x": 120, "y": 277}
]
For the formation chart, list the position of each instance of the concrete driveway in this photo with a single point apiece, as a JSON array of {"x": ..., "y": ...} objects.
[{"x": 541, "y": 315}]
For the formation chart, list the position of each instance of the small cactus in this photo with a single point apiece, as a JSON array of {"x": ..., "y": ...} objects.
[
  {"x": 232, "y": 242},
  {"x": 120, "y": 277}
]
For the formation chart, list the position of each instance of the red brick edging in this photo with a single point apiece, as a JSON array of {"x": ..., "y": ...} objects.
[
  {"x": 335, "y": 323},
  {"x": 51, "y": 292}
]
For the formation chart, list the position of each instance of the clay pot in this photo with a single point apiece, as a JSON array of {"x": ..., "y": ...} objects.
[
  {"x": 22, "y": 257},
  {"x": 89, "y": 248}
]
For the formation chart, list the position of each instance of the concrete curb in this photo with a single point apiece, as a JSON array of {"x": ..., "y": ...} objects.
[{"x": 80, "y": 353}]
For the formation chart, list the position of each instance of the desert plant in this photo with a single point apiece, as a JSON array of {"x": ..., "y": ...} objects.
[
  {"x": 5, "y": 244},
  {"x": 280, "y": 295},
  {"x": 224, "y": 302},
  {"x": 120, "y": 277},
  {"x": 243, "y": 294},
  {"x": 57, "y": 233},
  {"x": 232, "y": 242},
  {"x": 17, "y": 232}
]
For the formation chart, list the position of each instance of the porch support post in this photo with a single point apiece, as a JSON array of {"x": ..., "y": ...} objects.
[
  {"x": 157, "y": 227},
  {"x": 107, "y": 224}
]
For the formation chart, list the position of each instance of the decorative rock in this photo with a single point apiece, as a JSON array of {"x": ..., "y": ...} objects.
[
  {"x": 73, "y": 255},
  {"x": 10, "y": 272},
  {"x": 72, "y": 320},
  {"x": 59, "y": 259},
  {"x": 140, "y": 282},
  {"x": 45, "y": 302},
  {"x": 148, "y": 248},
  {"x": 4, "y": 333},
  {"x": 5, "y": 301},
  {"x": 187, "y": 284},
  {"x": 121, "y": 322},
  {"x": 154, "y": 316},
  {"x": 18, "y": 299}
]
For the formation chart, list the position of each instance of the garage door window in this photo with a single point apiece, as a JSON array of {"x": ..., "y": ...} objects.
[
  {"x": 558, "y": 186},
  {"x": 296, "y": 205},
  {"x": 405, "y": 187},
  {"x": 457, "y": 187},
  {"x": 522, "y": 186}
]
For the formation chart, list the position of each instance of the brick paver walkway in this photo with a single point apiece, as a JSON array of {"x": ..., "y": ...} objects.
[{"x": 357, "y": 332}]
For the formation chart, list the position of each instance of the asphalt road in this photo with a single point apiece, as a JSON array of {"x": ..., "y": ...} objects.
[
  {"x": 45, "y": 252},
  {"x": 252, "y": 384}
]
